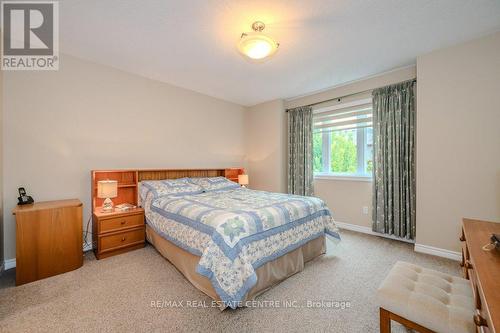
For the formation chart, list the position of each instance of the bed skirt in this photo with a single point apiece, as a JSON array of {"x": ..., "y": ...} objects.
[{"x": 268, "y": 274}]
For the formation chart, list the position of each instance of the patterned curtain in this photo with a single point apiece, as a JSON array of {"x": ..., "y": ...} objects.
[
  {"x": 300, "y": 152},
  {"x": 394, "y": 160}
]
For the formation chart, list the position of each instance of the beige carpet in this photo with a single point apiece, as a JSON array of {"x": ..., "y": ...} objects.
[{"x": 115, "y": 294}]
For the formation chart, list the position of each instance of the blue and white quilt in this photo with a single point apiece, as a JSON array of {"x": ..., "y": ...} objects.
[{"x": 236, "y": 230}]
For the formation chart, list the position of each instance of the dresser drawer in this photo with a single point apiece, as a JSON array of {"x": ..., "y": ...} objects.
[
  {"x": 476, "y": 295},
  {"x": 120, "y": 223},
  {"x": 122, "y": 239}
]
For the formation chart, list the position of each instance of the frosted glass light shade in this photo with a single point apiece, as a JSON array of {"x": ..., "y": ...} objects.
[
  {"x": 243, "y": 179},
  {"x": 107, "y": 189},
  {"x": 257, "y": 46}
]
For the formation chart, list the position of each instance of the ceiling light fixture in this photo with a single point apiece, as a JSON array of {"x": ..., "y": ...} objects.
[{"x": 255, "y": 45}]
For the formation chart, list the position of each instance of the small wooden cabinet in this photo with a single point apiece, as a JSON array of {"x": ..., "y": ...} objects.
[
  {"x": 48, "y": 239},
  {"x": 117, "y": 232}
]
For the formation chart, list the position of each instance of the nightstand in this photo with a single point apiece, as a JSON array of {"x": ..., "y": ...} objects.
[
  {"x": 48, "y": 239},
  {"x": 117, "y": 232}
]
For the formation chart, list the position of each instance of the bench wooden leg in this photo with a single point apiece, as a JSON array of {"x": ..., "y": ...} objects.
[
  {"x": 387, "y": 316},
  {"x": 385, "y": 321}
]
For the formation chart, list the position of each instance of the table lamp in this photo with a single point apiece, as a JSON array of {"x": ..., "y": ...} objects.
[
  {"x": 107, "y": 189},
  {"x": 243, "y": 180}
]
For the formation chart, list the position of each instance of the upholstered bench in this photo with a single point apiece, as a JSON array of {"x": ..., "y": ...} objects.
[{"x": 425, "y": 300}]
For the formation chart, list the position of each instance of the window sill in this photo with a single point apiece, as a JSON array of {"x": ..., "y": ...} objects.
[{"x": 346, "y": 177}]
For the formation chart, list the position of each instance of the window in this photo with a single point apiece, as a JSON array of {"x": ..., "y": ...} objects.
[{"x": 343, "y": 140}]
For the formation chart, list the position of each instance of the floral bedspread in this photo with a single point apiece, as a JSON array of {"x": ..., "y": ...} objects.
[{"x": 236, "y": 231}]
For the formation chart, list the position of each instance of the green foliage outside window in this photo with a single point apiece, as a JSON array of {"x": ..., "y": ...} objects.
[
  {"x": 317, "y": 152},
  {"x": 343, "y": 156}
]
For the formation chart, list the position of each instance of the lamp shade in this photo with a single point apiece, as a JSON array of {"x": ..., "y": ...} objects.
[
  {"x": 255, "y": 45},
  {"x": 243, "y": 179},
  {"x": 107, "y": 189}
]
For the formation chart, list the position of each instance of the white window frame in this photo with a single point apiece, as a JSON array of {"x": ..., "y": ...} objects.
[
  {"x": 361, "y": 154},
  {"x": 340, "y": 176}
]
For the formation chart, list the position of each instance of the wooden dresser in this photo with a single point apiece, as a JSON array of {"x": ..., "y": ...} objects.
[
  {"x": 48, "y": 239},
  {"x": 482, "y": 268}
]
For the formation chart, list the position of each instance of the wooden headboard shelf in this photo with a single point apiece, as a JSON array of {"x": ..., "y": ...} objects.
[
  {"x": 127, "y": 186},
  {"x": 128, "y": 180},
  {"x": 174, "y": 174}
]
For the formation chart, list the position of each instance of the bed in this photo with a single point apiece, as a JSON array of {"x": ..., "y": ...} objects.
[{"x": 230, "y": 242}]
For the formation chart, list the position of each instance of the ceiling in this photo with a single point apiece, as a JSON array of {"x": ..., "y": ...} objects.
[{"x": 323, "y": 43}]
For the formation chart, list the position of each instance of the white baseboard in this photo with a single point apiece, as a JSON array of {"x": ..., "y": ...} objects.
[
  {"x": 436, "y": 251},
  {"x": 87, "y": 248},
  {"x": 369, "y": 231},
  {"x": 354, "y": 227},
  {"x": 9, "y": 263}
]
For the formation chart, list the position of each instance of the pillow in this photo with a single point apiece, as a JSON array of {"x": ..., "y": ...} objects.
[
  {"x": 215, "y": 183},
  {"x": 176, "y": 187}
]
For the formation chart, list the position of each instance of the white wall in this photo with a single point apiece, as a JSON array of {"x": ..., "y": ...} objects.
[
  {"x": 346, "y": 198},
  {"x": 368, "y": 83},
  {"x": 458, "y": 139},
  {"x": 265, "y": 138},
  {"x": 60, "y": 125}
]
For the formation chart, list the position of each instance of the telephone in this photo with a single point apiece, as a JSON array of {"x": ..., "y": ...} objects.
[
  {"x": 495, "y": 240},
  {"x": 493, "y": 244},
  {"x": 24, "y": 199}
]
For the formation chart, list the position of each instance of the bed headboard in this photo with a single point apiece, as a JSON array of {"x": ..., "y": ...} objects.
[{"x": 128, "y": 180}]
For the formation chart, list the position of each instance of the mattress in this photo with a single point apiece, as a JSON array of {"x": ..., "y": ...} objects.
[{"x": 235, "y": 231}]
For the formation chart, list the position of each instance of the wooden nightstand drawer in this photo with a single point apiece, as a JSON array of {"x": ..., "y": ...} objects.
[
  {"x": 120, "y": 240},
  {"x": 120, "y": 223},
  {"x": 117, "y": 232}
]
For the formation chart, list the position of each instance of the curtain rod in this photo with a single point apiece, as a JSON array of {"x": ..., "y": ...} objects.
[
  {"x": 348, "y": 95},
  {"x": 336, "y": 98}
]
